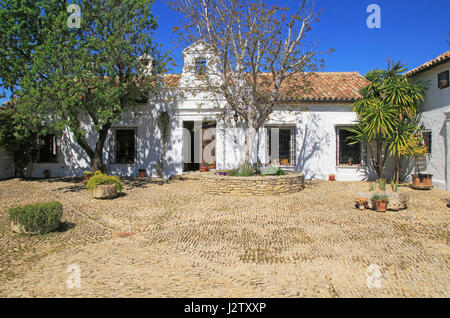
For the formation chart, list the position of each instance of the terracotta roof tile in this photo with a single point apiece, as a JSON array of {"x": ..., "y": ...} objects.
[
  {"x": 324, "y": 86},
  {"x": 440, "y": 59}
]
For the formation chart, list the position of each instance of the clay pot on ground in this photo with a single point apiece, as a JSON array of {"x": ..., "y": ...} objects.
[
  {"x": 331, "y": 177},
  {"x": 105, "y": 191},
  {"x": 380, "y": 206},
  {"x": 361, "y": 203},
  {"x": 421, "y": 181},
  {"x": 142, "y": 173},
  {"x": 203, "y": 167},
  {"x": 212, "y": 166}
]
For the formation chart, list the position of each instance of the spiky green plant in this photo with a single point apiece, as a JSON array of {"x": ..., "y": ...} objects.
[
  {"x": 394, "y": 186},
  {"x": 382, "y": 184}
]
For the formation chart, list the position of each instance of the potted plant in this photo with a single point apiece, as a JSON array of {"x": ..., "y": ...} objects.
[
  {"x": 142, "y": 173},
  {"x": 380, "y": 201},
  {"x": 361, "y": 203},
  {"x": 212, "y": 165},
  {"x": 350, "y": 161},
  {"x": 331, "y": 177},
  {"x": 87, "y": 175},
  {"x": 104, "y": 186},
  {"x": 37, "y": 218},
  {"x": 415, "y": 148},
  {"x": 203, "y": 167}
]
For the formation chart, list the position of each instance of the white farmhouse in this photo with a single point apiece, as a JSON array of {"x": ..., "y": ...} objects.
[
  {"x": 309, "y": 128},
  {"x": 435, "y": 113}
]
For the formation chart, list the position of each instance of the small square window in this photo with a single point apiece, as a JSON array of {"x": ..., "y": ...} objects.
[
  {"x": 443, "y": 80},
  {"x": 200, "y": 66}
]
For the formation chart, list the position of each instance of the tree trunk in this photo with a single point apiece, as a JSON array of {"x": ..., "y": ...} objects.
[
  {"x": 96, "y": 155},
  {"x": 250, "y": 134},
  {"x": 379, "y": 161},
  {"x": 97, "y": 160},
  {"x": 398, "y": 169}
]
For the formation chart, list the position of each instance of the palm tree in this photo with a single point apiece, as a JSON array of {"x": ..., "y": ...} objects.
[{"x": 387, "y": 114}]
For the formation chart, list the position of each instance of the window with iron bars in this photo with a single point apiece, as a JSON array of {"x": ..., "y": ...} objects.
[
  {"x": 348, "y": 154},
  {"x": 426, "y": 136},
  {"x": 124, "y": 146},
  {"x": 286, "y": 145}
]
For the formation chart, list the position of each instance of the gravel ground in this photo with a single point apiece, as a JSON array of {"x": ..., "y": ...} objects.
[{"x": 171, "y": 240}]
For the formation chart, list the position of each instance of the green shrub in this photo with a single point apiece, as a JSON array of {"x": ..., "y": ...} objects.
[
  {"x": 88, "y": 173},
  {"x": 244, "y": 170},
  {"x": 100, "y": 178},
  {"x": 371, "y": 187},
  {"x": 277, "y": 171},
  {"x": 380, "y": 197},
  {"x": 35, "y": 216}
]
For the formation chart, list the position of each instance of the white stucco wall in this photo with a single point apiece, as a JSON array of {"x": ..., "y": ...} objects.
[
  {"x": 315, "y": 128},
  {"x": 434, "y": 109}
]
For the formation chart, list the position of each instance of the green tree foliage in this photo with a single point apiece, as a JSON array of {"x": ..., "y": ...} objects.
[
  {"x": 388, "y": 114},
  {"x": 67, "y": 77},
  {"x": 19, "y": 140}
]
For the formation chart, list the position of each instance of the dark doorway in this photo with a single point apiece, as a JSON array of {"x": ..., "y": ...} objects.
[{"x": 190, "y": 161}]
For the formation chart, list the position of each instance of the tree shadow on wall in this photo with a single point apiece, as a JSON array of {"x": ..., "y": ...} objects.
[{"x": 312, "y": 143}]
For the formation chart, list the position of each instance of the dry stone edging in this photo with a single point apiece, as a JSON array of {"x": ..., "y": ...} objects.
[{"x": 215, "y": 184}]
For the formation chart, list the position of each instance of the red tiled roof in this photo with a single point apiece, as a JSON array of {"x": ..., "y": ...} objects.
[
  {"x": 171, "y": 80},
  {"x": 327, "y": 87},
  {"x": 440, "y": 59},
  {"x": 323, "y": 87}
]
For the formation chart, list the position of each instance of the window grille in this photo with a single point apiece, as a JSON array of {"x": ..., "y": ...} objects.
[
  {"x": 124, "y": 146},
  {"x": 286, "y": 142},
  {"x": 345, "y": 151}
]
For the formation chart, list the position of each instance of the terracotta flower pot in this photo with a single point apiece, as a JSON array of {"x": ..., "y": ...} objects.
[
  {"x": 331, "y": 177},
  {"x": 203, "y": 168},
  {"x": 142, "y": 173},
  {"x": 421, "y": 181},
  {"x": 211, "y": 166},
  {"x": 380, "y": 206}
]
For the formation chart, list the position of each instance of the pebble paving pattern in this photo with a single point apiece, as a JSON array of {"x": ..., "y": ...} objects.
[{"x": 170, "y": 239}]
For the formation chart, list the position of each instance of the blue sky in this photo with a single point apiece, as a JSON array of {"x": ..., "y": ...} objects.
[{"x": 413, "y": 31}]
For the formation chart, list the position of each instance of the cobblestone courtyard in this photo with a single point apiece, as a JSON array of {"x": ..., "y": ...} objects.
[{"x": 184, "y": 243}]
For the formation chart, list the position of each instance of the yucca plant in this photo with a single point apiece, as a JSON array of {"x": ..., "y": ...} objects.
[
  {"x": 387, "y": 113},
  {"x": 394, "y": 186},
  {"x": 382, "y": 184}
]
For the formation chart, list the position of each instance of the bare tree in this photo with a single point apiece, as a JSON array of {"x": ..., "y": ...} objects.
[{"x": 261, "y": 55}]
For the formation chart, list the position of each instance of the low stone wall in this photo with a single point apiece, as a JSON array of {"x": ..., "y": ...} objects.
[{"x": 256, "y": 185}]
